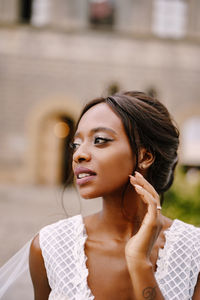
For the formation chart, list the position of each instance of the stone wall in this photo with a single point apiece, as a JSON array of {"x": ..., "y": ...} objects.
[{"x": 41, "y": 66}]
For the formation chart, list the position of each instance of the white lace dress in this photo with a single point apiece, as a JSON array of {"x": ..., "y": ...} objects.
[{"x": 62, "y": 245}]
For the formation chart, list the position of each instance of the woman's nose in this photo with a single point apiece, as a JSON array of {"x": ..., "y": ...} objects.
[{"x": 81, "y": 155}]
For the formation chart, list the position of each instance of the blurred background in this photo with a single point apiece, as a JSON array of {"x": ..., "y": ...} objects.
[{"x": 55, "y": 55}]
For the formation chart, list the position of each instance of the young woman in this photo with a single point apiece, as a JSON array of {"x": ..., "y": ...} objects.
[{"x": 125, "y": 151}]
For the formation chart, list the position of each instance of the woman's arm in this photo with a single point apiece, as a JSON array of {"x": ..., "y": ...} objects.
[
  {"x": 38, "y": 271},
  {"x": 196, "y": 295},
  {"x": 144, "y": 283},
  {"x": 139, "y": 247}
]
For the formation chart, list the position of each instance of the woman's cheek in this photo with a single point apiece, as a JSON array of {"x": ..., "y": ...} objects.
[{"x": 117, "y": 172}]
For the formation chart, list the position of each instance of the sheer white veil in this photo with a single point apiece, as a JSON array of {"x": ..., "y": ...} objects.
[{"x": 15, "y": 280}]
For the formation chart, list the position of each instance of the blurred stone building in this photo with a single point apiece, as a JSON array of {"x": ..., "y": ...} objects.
[{"x": 57, "y": 54}]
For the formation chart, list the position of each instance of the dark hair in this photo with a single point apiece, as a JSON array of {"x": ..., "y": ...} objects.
[{"x": 147, "y": 124}]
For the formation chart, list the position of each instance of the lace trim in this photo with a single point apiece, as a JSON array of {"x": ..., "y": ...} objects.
[
  {"x": 80, "y": 255},
  {"x": 74, "y": 234},
  {"x": 164, "y": 254}
]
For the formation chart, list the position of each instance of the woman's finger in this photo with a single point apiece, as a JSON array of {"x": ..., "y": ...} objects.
[
  {"x": 141, "y": 181},
  {"x": 148, "y": 199},
  {"x": 151, "y": 224},
  {"x": 142, "y": 242},
  {"x": 145, "y": 184}
]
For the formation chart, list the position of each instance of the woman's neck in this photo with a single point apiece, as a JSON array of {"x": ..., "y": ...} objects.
[{"x": 120, "y": 217}]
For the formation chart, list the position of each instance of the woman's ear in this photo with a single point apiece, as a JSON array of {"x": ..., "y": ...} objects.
[{"x": 145, "y": 159}]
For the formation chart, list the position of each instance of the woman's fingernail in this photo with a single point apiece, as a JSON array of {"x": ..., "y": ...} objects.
[
  {"x": 138, "y": 174},
  {"x": 132, "y": 178},
  {"x": 138, "y": 187}
]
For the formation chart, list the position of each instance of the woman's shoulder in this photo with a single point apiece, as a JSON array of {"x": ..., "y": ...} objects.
[
  {"x": 65, "y": 231},
  {"x": 68, "y": 223},
  {"x": 37, "y": 268},
  {"x": 52, "y": 232},
  {"x": 62, "y": 240},
  {"x": 184, "y": 234},
  {"x": 186, "y": 228}
]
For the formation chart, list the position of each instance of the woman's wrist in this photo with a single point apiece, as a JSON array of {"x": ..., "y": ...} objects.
[
  {"x": 139, "y": 265},
  {"x": 143, "y": 280},
  {"x": 135, "y": 261}
]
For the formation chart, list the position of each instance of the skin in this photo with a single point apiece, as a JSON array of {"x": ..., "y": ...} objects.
[{"x": 122, "y": 250}]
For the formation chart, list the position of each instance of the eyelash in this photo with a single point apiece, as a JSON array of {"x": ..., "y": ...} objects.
[
  {"x": 105, "y": 140},
  {"x": 75, "y": 146}
]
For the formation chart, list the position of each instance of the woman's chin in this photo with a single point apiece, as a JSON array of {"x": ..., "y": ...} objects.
[{"x": 88, "y": 194}]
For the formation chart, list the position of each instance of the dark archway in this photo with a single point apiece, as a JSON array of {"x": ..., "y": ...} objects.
[
  {"x": 25, "y": 11},
  {"x": 66, "y": 168},
  {"x": 54, "y": 152}
]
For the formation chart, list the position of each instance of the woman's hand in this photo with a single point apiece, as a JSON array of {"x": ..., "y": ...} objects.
[{"x": 139, "y": 247}]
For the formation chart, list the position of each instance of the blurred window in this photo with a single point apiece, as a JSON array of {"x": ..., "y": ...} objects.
[
  {"x": 191, "y": 142},
  {"x": 40, "y": 12},
  {"x": 35, "y": 12},
  {"x": 101, "y": 12},
  {"x": 169, "y": 18}
]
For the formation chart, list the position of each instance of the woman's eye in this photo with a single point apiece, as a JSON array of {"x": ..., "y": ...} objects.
[
  {"x": 74, "y": 146},
  {"x": 100, "y": 140}
]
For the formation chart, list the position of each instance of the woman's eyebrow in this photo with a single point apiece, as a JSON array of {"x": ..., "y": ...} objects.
[{"x": 97, "y": 129}]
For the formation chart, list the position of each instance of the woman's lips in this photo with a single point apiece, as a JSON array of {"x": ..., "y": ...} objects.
[
  {"x": 83, "y": 175},
  {"x": 84, "y": 180}
]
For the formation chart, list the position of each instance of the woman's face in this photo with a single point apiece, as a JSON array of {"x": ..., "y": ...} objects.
[{"x": 102, "y": 158}]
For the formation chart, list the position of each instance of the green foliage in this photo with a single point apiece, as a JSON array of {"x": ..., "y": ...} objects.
[{"x": 182, "y": 201}]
